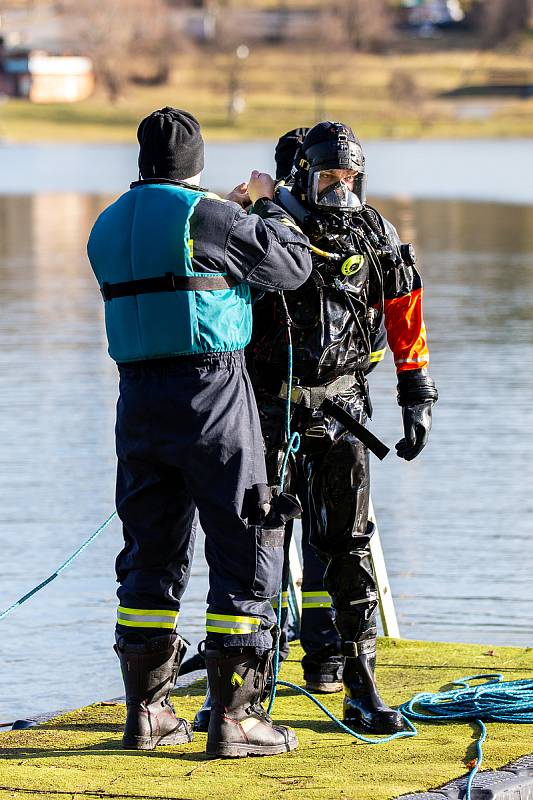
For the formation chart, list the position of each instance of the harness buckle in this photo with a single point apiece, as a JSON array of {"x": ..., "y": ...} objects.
[
  {"x": 365, "y": 647},
  {"x": 350, "y": 649},
  {"x": 316, "y": 431},
  {"x": 297, "y": 393}
]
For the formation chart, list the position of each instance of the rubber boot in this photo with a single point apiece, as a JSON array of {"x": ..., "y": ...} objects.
[
  {"x": 239, "y": 725},
  {"x": 149, "y": 670},
  {"x": 203, "y": 715},
  {"x": 363, "y": 707},
  {"x": 323, "y": 670}
]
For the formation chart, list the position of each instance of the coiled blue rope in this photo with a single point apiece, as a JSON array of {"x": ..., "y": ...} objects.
[
  {"x": 495, "y": 700},
  {"x": 60, "y": 569}
]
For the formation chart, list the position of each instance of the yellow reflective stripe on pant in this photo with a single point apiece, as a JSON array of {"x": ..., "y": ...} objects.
[
  {"x": 147, "y": 617},
  {"x": 284, "y": 600},
  {"x": 316, "y": 599},
  {"x": 377, "y": 355},
  {"x": 227, "y": 623}
]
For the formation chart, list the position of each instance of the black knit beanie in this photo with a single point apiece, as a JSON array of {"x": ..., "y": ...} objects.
[{"x": 171, "y": 145}]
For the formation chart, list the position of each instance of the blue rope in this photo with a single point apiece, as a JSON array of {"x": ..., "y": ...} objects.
[
  {"x": 293, "y": 439},
  {"x": 292, "y": 447},
  {"x": 495, "y": 700},
  {"x": 382, "y": 740},
  {"x": 60, "y": 569}
]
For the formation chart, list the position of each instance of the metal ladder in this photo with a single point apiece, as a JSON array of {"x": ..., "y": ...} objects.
[{"x": 385, "y": 600}]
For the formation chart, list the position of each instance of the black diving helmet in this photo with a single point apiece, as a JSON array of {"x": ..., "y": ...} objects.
[{"x": 330, "y": 168}]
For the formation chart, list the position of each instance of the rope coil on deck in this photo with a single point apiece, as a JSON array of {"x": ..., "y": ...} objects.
[{"x": 495, "y": 700}]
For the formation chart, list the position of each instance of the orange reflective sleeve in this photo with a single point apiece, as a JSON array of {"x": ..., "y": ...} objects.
[{"x": 406, "y": 331}]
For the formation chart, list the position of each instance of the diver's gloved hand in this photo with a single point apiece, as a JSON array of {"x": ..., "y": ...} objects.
[
  {"x": 416, "y": 394},
  {"x": 416, "y": 428}
]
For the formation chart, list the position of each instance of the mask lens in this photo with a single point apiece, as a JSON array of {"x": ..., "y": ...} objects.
[{"x": 335, "y": 189}]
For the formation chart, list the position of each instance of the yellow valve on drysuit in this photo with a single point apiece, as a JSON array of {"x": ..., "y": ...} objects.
[{"x": 352, "y": 264}]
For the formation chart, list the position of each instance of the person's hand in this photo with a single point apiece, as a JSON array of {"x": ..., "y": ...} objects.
[
  {"x": 261, "y": 184},
  {"x": 240, "y": 195},
  {"x": 416, "y": 427}
]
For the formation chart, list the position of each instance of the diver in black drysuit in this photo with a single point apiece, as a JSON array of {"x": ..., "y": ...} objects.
[
  {"x": 362, "y": 275},
  {"x": 322, "y": 663}
]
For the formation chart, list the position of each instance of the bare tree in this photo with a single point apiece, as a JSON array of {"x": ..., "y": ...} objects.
[
  {"x": 368, "y": 23},
  {"x": 233, "y": 52},
  {"x": 122, "y": 36},
  {"x": 499, "y": 20},
  {"x": 326, "y": 58}
]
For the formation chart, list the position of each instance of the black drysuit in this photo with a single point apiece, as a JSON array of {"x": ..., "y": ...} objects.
[{"x": 333, "y": 318}]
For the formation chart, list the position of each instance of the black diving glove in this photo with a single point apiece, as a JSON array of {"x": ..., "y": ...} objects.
[
  {"x": 416, "y": 394},
  {"x": 416, "y": 428}
]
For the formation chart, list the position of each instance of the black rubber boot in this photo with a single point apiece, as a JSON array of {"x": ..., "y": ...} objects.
[
  {"x": 239, "y": 725},
  {"x": 149, "y": 669},
  {"x": 203, "y": 715},
  {"x": 323, "y": 670},
  {"x": 363, "y": 707}
]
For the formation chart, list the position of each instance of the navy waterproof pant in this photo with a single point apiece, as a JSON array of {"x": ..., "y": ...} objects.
[{"x": 188, "y": 438}]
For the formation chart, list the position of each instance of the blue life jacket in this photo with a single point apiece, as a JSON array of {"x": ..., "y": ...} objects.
[{"x": 144, "y": 235}]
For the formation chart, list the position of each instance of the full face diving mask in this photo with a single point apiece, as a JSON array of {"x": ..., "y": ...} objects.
[{"x": 337, "y": 189}]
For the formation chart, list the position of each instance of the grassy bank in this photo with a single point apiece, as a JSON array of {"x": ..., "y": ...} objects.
[
  {"x": 79, "y": 754},
  {"x": 381, "y": 96}
]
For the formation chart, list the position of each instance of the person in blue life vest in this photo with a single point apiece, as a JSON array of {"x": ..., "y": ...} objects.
[{"x": 175, "y": 265}]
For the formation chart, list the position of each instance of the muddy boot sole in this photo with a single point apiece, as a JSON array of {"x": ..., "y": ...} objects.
[
  {"x": 175, "y": 737},
  {"x": 242, "y": 749},
  {"x": 323, "y": 687}
]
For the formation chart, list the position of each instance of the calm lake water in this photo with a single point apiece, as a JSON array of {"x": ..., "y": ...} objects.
[{"x": 456, "y": 524}]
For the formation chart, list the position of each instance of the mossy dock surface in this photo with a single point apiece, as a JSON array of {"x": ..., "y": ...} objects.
[{"x": 78, "y": 754}]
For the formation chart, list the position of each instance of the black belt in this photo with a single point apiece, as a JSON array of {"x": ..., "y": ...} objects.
[
  {"x": 314, "y": 396},
  {"x": 166, "y": 283},
  {"x": 363, "y": 434},
  {"x": 320, "y": 397}
]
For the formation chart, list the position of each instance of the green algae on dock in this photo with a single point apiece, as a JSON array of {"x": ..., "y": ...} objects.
[{"x": 79, "y": 755}]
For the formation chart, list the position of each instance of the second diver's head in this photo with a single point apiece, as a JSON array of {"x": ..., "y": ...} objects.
[
  {"x": 329, "y": 169},
  {"x": 170, "y": 146}
]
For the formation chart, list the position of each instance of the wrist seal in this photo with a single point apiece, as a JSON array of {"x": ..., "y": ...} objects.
[{"x": 415, "y": 388}]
